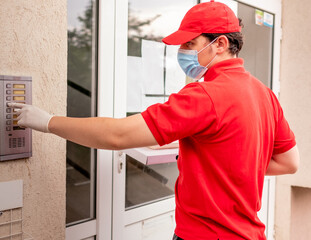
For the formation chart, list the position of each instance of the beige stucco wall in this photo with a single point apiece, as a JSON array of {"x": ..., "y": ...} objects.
[
  {"x": 295, "y": 98},
  {"x": 300, "y": 213},
  {"x": 33, "y": 42}
]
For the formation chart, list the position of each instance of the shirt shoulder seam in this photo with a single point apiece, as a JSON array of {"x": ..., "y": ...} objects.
[{"x": 217, "y": 118}]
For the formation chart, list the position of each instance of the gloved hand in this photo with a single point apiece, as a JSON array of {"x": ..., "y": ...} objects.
[{"x": 32, "y": 117}]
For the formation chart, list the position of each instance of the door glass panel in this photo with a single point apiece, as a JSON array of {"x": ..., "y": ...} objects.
[
  {"x": 147, "y": 184},
  {"x": 258, "y": 45},
  {"x": 153, "y": 74},
  {"x": 81, "y": 102}
]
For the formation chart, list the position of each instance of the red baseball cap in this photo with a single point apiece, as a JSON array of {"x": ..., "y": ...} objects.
[{"x": 208, "y": 17}]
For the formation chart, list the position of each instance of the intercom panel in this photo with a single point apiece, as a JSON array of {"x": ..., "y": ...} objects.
[{"x": 15, "y": 141}]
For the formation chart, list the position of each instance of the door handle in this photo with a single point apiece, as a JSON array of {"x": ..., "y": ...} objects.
[{"x": 121, "y": 161}]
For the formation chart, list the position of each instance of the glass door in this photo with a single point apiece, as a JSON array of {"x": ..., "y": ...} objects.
[
  {"x": 257, "y": 50},
  {"x": 146, "y": 72},
  {"x": 81, "y": 102},
  {"x": 152, "y": 75}
]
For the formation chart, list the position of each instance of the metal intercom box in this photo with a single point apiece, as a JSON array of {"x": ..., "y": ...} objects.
[{"x": 15, "y": 141}]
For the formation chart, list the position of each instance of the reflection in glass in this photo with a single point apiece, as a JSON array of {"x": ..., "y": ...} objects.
[
  {"x": 148, "y": 22},
  {"x": 80, "y": 196},
  {"x": 146, "y": 184},
  {"x": 153, "y": 20}
]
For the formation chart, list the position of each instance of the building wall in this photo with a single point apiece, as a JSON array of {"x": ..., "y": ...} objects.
[
  {"x": 33, "y": 42},
  {"x": 295, "y": 98},
  {"x": 300, "y": 213}
]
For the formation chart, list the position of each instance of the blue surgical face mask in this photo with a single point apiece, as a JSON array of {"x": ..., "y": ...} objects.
[{"x": 188, "y": 61}]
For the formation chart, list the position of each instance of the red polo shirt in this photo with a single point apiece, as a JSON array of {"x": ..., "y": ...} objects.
[{"x": 228, "y": 128}]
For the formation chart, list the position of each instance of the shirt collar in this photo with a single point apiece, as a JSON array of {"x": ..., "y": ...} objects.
[{"x": 229, "y": 64}]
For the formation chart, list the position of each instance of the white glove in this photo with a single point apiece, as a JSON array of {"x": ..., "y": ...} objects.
[{"x": 32, "y": 117}]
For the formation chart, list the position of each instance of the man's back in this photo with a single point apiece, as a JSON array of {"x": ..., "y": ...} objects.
[{"x": 227, "y": 126}]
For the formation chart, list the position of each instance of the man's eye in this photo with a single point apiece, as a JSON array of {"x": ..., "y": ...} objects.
[{"x": 189, "y": 44}]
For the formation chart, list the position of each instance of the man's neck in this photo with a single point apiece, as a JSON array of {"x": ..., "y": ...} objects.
[{"x": 221, "y": 58}]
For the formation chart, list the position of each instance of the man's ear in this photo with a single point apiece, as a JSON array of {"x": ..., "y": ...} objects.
[{"x": 222, "y": 44}]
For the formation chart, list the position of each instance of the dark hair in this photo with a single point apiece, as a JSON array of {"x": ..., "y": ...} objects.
[{"x": 235, "y": 39}]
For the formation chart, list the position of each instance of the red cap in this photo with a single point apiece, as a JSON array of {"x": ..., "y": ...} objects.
[{"x": 208, "y": 17}]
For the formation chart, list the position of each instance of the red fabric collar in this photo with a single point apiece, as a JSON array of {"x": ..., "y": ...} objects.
[{"x": 233, "y": 63}]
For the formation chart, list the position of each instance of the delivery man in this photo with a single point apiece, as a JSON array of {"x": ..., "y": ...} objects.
[{"x": 231, "y": 131}]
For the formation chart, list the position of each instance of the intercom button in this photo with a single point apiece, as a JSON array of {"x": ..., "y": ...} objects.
[
  {"x": 9, "y": 98},
  {"x": 8, "y": 128},
  {"x": 8, "y": 85},
  {"x": 8, "y": 116},
  {"x": 8, "y": 91},
  {"x": 8, "y": 122},
  {"x": 8, "y": 110}
]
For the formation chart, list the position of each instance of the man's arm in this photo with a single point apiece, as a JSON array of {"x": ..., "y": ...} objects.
[
  {"x": 105, "y": 133},
  {"x": 284, "y": 163},
  {"x": 96, "y": 132}
]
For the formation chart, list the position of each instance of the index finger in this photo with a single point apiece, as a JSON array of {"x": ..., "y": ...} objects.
[{"x": 16, "y": 105}]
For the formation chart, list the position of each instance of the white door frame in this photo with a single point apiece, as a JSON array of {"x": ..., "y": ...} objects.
[
  {"x": 102, "y": 225},
  {"x": 120, "y": 87},
  {"x": 106, "y": 67}
]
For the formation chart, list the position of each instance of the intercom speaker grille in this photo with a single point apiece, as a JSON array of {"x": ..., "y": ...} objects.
[{"x": 16, "y": 142}]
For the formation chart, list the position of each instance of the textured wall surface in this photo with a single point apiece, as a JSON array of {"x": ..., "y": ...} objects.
[
  {"x": 300, "y": 213},
  {"x": 33, "y": 42},
  {"x": 295, "y": 98}
]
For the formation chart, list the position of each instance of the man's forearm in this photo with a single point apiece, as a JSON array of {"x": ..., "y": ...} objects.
[
  {"x": 275, "y": 168},
  {"x": 90, "y": 132},
  {"x": 104, "y": 133},
  {"x": 284, "y": 163}
]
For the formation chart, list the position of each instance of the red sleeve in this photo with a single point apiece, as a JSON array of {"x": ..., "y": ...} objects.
[
  {"x": 284, "y": 137},
  {"x": 186, "y": 113}
]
